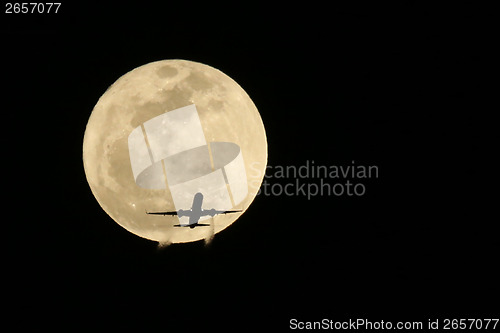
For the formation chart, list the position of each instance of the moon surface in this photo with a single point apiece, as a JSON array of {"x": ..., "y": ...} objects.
[{"x": 226, "y": 112}]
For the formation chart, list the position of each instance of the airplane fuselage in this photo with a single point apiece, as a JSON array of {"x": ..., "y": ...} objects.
[{"x": 196, "y": 210}]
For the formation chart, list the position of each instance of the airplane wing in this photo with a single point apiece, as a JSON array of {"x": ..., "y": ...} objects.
[
  {"x": 229, "y": 211},
  {"x": 213, "y": 212},
  {"x": 162, "y": 213}
]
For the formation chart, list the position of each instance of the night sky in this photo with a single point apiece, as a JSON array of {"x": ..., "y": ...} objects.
[{"x": 403, "y": 88}]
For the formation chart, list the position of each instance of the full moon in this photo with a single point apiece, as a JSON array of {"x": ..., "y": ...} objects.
[{"x": 226, "y": 114}]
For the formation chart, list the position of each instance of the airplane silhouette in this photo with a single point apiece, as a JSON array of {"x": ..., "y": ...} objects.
[{"x": 195, "y": 213}]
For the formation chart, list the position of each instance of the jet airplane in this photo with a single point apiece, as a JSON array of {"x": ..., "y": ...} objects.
[{"x": 195, "y": 213}]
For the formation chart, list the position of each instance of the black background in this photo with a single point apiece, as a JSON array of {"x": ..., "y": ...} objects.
[{"x": 405, "y": 88}]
